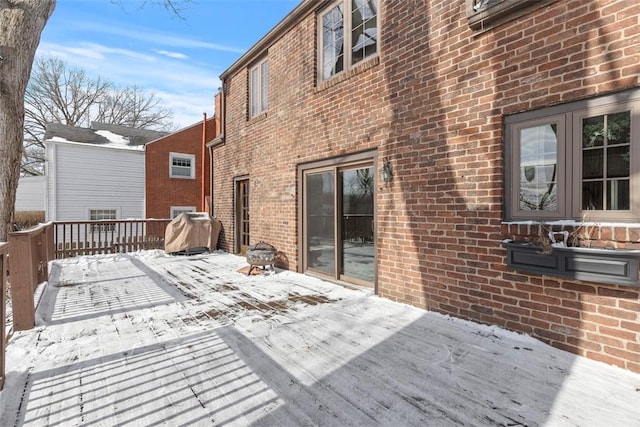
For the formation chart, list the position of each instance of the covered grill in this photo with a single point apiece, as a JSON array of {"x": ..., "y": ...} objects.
[{"x": 192, "y": 232}]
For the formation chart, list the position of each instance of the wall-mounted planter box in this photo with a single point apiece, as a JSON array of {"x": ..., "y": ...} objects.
[
  {"x": 614, "y": 266},
  {"x": 495, "y": 12}
]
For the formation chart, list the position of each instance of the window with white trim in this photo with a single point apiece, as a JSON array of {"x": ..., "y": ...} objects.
[
  {"x": 348, "y": 34},
  {"x": 182, "y": 165},
  {"x": 177, "y": 210},
  {"x": 102, "y": 214},
  {"x": 258, "y": 88},
  {"x": 579, "y": 161}
]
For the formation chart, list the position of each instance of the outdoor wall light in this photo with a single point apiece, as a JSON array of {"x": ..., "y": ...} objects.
[{"x": 386, "y": 172}]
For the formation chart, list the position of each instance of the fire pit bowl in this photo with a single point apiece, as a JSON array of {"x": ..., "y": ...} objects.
[{"x": 260, "y": 255}]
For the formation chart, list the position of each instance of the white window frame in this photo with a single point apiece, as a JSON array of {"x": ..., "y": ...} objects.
[
  {"x": 258, "y": 88},
  {"x": 177, "y": 210},
  {"x": 93, "y": 213},
  {"x": 182, "y": 156},
  {"x": 569, "y": 117},
  {"x": 347, "y": 38}
]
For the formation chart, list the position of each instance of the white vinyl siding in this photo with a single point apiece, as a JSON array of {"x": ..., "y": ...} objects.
[
  {"x": 182, "y": 165},
  {"x": 30, "y": 195},
  {"x": 81, "y": 177}
]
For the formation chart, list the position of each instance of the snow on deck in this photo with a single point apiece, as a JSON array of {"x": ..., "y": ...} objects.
[{"x": 150, "y": 339}]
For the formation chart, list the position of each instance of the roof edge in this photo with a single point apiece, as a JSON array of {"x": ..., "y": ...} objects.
[
  {"x": 295, "y": 16},
  {"x": 199, "y": 123}
]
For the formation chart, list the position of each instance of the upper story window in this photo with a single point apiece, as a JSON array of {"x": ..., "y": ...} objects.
[
  {"x": 182, "y": 165},
  {"x": 258, "y": 87},
  {"x": 347, "y": 23},
  {"x": 486, "y": 14},
  {"x": 581, "y": 161}
]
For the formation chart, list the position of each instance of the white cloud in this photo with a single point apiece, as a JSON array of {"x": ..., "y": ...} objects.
[
  {"x": 86, "y": 51},
  {"x": 176, "y": 55},
  {"x": 188, "y": 107},
  {"x": 159, "y": 38}
]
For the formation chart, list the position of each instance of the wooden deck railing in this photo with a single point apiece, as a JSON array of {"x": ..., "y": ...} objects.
[
  {"x": 74, "y": 238},
  {"x": 27, "y": 254},
  {"x": 4, "y": 264}
]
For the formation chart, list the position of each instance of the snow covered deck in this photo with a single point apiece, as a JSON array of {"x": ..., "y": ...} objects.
[{"x": 148, "y": 339}]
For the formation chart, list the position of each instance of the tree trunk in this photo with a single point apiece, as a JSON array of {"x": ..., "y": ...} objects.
[{"x": 21, "y": 23}]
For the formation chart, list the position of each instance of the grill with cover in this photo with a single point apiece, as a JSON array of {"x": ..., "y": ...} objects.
[{"x": 192, "y": 232}]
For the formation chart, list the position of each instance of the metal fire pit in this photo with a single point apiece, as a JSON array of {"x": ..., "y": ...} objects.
[{"x": 260, "y": 255}]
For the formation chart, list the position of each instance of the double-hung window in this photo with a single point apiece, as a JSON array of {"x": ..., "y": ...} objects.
[
  {"x": 348, "y": 34},
  {"x": 258, "y": 88},
  {"x": 102, "y": 214},
  {"x": 182, "y": 165},
  {"x": 576, "y": 161}
]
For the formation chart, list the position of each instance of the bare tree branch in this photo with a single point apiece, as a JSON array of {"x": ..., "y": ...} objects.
[
  {"x": 176, "y": 8},
  {"x": 59, "y": 94}
]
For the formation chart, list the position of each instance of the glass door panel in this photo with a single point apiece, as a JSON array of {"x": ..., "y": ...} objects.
[
  {"x": 242, "y": 216},
  {"x": 320, "y": 222},
  {"x": 357, "y": 248}
]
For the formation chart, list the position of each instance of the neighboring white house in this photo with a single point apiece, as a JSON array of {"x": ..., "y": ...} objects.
[
  {"x": 95, "y": 173},
  {"x": 30, "y": 195}
]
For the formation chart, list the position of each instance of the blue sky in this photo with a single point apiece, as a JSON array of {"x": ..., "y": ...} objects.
[{"x": 139, "y": 42}]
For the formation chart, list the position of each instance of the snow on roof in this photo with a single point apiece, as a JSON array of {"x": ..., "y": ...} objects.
[
  {"x": 102, "y": 135},
  {"x": 114, "y": 139}
]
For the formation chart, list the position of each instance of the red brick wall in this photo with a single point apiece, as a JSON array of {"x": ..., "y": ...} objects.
[
  {"x": 161, "y": 191},
  {"x": 434, "y": 104}
]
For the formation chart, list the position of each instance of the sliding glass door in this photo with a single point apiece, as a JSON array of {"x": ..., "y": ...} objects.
[
  {"x": 356, "y": 224},
  {"x": 320, "y": 222},
  {"x": 339, "y": 230}
]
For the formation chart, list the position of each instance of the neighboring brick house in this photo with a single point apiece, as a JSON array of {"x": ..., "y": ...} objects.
[
  {"x": 490, "y": 120},
  {"x": 177, "y": 171}
]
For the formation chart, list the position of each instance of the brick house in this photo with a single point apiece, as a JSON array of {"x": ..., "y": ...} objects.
[
  {"x": 403, "y": 163},
  {"x": 177, "y": 171}
]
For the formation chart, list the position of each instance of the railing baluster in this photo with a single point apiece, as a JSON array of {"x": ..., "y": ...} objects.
[
  {"x": 112, "y": 244},
  {"x": 74, "y": 238}
]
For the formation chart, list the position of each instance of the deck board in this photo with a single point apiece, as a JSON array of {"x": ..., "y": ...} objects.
[{"x": 147, "y": 339}]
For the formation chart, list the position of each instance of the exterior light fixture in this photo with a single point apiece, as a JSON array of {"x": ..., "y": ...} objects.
[{"x": 386, "y": 172}]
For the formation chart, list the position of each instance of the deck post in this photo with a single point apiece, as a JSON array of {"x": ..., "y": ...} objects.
[
  {"x": 4, "y": 251},
  {"x": 23, "y": 269}
]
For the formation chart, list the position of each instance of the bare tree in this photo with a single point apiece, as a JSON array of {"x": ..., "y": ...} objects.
[
  {"x": 134, "y": 107},
  {"x": 22, "y": 25},
  {"x": 58, "y": 93}
]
